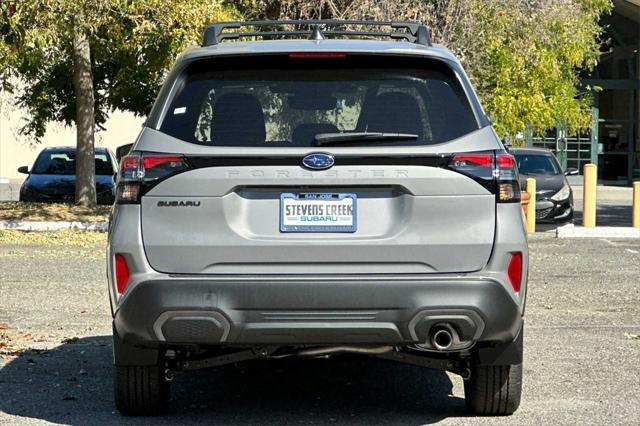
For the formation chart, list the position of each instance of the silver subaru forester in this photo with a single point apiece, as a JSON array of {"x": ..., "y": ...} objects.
[{"x": 315, "y": 188}]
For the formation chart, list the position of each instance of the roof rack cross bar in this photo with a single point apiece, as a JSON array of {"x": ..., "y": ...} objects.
[
  {"x": 269, "y": 34},
  {"x": 414, "y": 32}
]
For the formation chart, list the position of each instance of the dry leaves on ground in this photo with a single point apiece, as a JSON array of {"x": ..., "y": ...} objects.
[
  {"x": 632, "y": 336},
  {"x": 13, "y": 342},
  {"x": 20, "y": 211},
  {"x": 58, "y": 238}
]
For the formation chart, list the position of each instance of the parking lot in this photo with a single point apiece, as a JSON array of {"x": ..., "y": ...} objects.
[{"x": 581, "y": 352}]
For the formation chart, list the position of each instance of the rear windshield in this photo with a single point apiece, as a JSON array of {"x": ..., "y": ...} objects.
[
  {"x": 278, "y": 101},
  {"x": 537, "y": 164},
  {"x": 64, "y": 163}
]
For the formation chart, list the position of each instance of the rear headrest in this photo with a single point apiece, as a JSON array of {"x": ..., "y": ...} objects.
[
  {"x": 238, "y": 120},
  {"x": 394, "y": 112}
]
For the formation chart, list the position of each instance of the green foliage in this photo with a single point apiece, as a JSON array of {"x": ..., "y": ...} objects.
[
  {"x": 133, "y": 43},
  {"x": 523, "y": 56},
  {"x": 527, "y": 61}
]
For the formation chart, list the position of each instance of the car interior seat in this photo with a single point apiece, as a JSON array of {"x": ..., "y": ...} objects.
[{"x": 238, "y": 120}]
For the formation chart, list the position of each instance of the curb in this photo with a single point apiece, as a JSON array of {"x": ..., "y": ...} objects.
[
  {"x": 572, "y": 231},
  {"x": 15, "y": 225}
]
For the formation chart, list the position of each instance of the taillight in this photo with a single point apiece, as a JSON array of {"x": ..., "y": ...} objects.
[
  {"x": 514, "y": 271},
  {"x": 122, "y": 273},
  {"x": 507, "y": 176},
  {"x": 476, "y": 165},
  {"x": 151, "y": 162},
  {"x": 496, "y": 172},
  {"x": 484, "y": 160},
  {"x": 141, "y": 172}
]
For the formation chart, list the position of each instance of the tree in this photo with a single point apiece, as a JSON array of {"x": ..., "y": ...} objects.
[
  {"x": 528, "y": 59},
  {"x": 74, "y": 61},
  {"x": 523, "y": 56}
]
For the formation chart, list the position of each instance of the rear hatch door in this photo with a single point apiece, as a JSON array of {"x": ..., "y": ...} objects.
[{"x": 258, "y": 195}]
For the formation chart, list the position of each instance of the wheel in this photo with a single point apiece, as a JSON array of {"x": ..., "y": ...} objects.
[
  {"x": 494, "y": 390},
  {"x": 140, "y": 390}
]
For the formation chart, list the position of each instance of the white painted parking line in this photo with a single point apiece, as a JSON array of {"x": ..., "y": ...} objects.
[{"x": 571, "y": 327}]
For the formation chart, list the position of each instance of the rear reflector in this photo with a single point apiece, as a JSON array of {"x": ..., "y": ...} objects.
[
  {"x": 514, "y": 271},
  {"x": 122, "y": 273}
]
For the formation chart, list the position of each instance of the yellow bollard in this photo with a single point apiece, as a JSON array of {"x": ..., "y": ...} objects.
[
  {"x": 531, "y": 207},
  {"x": 590, "y": 172},
  {"x": 636, "y": 204}
]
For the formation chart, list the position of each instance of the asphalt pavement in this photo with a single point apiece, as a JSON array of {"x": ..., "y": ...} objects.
[{"x": 581, "y": 357}]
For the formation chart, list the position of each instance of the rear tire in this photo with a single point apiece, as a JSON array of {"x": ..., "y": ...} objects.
[
  {"x": 494, "y": 390},
  {"x": 140, "y": 390}
]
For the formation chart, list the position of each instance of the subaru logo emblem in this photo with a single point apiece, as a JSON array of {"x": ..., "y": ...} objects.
[{"x": 318, "y": 161}]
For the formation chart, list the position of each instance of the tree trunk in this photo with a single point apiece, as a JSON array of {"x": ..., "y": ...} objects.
[{"x": 85, "y": 121}]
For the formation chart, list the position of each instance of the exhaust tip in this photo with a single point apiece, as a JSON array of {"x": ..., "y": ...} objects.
[{"x": 442, "y": 339}]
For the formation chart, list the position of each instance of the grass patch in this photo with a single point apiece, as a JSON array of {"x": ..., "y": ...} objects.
[
  {"x": 42, "y": 212},
  {"x": 58, "y": 238}
]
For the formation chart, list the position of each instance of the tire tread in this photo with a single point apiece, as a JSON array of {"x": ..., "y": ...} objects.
[
  {"x": 140, "y": 390},
  {"x": 494, "y": 390}
]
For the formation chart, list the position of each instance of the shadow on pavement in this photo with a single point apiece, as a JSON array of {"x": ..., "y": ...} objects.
[
  {"x": 606, "y": 215},
  {"x": 609, "y": 215},
  {"x": 72, "y": 384}
]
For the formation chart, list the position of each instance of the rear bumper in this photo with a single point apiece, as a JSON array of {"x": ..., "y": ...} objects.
[{"x": 298, "y": 311}]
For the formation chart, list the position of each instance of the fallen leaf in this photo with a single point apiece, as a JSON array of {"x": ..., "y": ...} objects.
[
  {"x": 67, "y": 397},
  {"x": 70, "y": 340},
  {"x": 4, "y": 326}
]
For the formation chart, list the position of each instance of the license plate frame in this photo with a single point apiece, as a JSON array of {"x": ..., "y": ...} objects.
[{"x": 326, "y": 197}]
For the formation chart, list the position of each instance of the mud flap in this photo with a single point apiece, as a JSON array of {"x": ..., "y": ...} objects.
[
  {"x": 508, "y": 353},
  {"x": 125, "y": 354}
]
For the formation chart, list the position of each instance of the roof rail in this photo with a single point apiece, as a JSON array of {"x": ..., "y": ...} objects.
[{"x": 316, "y": 29}]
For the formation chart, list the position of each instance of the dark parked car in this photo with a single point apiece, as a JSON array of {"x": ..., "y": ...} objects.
[
  {"x": 53, "y": 176},
  {"x": 554, "y": 197}
]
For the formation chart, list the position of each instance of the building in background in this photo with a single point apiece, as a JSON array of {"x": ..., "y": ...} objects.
[
  {"x": 16, "y": 150},
  {"x": 618, "y": 105},
  {"x": 614, "y": 140}
]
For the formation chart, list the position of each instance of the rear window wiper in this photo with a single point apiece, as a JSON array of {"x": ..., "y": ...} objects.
[{"x": 329, "y": 138}]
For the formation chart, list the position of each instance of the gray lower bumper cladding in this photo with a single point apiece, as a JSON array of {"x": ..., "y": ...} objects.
[{"x": 319, "y": 312}]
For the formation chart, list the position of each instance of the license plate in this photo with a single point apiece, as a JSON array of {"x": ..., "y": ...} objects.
[{"x": 318, "y": 212}]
